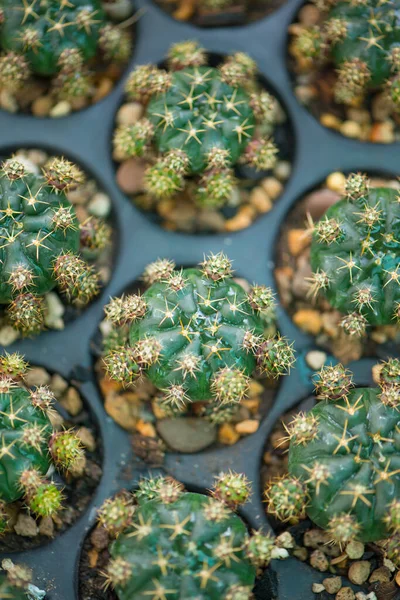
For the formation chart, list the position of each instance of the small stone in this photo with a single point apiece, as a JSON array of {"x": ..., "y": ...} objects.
[
  {"x": 130, "y": 175},
  {"x": 129, "y": 113},
  {"x": 381, "y": 107},
  {"x": 314, "y": 538},
  {"x": 298, "y": 240},
  {"x": 272, "y": 186},
  {"x": 210, "y": 219},
  {"x": 260, "y": 200},
  {"x": 351, "y": 129},
  {"x": 99, "y": 538},
  {"x": 72, "y": 402},
  {"x": 397, "y": 578},
  {"x": 279, "y": 553},
  {"x": 8, "y": 102},
  {"x": 58, "y": 385},
  {"x": 61, "y": 109},
  {"x": 87, "y": 438},
  {"x": 345, "y": 593},
  {"x": 285, "y": 540},
  {"x": 309, "y": 320},
  {"x": 359, "y": 571},
  {"x": 316, "y": 359},
  {"x": 301, "y": 553},
  {"x": 37, "y": 157},
  {"x": 380, "y": 575},
  {"x": 319, "y": 561},
  {"x": 8, "y": 335},
  {"x": 228, "y": 435},
  {"x": 46, "y": 527},
  {"x": 36, "y": 377},
  {"x": 122, "y": 408},
  {"x": 317, "y": 588},
  {"x": 383, "y": 133},
  {"x": 330, "y": 121},
  {"x": 187, "y": 434},
  {"x": 358, "y": 115},
  {"x": 55, "y": 311},
  {"x": 100, "y": 205},
  {"x": 336, "y": 182},
  {"x": 309, "y": 15},
  {"x": 283, "y": 170},
  {"x": 146, "y": 428},
  {"x": 41, "y": 107},
  {"x": 332, "y": 584},
  {"x": 284, "y": 276},
  {"x": 104, "y": 87},
  {"x": 361, "y": 596},
  {"x": 318, "y": 202},
  {"x": 301, "y": 282},
  {"x": 238, "y": 222},
  {"x": 247, "y": 427},
  {"x": 355, "y": 550},
  {"x": 26, "y": 526}
]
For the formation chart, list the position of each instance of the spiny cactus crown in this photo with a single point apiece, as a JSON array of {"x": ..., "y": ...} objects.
[
  {"x": 29, "y": 445},
  {"x": 362, "y": 40},
  {"x": 196, "y": 334},
  {"x": 183, "y": 544},
  {"x": 355, "y": 255},
  {"x": 40, "y": 36},
  {"x": 40, "y": 241},
  {"x": 344, "y": 460},
  {"x": 198, "y": 120}
]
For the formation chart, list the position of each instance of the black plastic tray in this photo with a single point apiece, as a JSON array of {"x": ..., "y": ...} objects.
[{"x": 86, "y": 137}]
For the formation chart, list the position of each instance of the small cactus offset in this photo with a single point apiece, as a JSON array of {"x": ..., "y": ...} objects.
[
  {"x": 178, "y": 544},
  {"x": 344, "y": 459},
  {"x": 197, "y": 335},
  {"x": 362, "y": 40},
  {"x": 40, "y": 241},
  {"x": 29, "y": 443},
  {"x": 57, "y": 38},
  {"x": 199, "y": 121},
  {"x": 355, "y": 256}
]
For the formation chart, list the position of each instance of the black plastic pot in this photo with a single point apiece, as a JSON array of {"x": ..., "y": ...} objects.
[{"x": 86, "y": 137}]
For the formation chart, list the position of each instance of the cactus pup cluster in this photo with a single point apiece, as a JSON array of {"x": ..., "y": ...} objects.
[
  {"x": 198, "y": 123},
  {"x": 355, "y": 256},
  {"x": 40, "y": 242},
  {"x": 359, "y": 42},
  {"x": 177, "y": 544},
  {"x": 30, "y": 445},
  {"x": 344, "y": 460},
  {"x": 58, "y": 39},
  {"x": 197, "y": 335}
]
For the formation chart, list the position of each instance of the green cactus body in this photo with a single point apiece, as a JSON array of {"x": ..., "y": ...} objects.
[
  {"x": 206, "y": 319},
  {"x": 52, "y": 27},
  {"x": 17, "y": 417},
  {"x": 372, "y": 31},
  {"x": 31, "y": 239},
  {"x": 176, "y": 551},
  {"x": 205, "y": 113},
  {"x": 355, "y": 255},
  {"x": 351, "y": 466}
]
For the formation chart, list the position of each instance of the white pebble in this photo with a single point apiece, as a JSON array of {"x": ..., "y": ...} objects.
[
  {"x": 8, "y": 335},
  {"x": 100, "y": 205},
  {"x": 316, "y": 359},
  {"x": 61, "y": 109},
  {"x": 317, "y": 588},
  {"x": 279, "y": 553}
]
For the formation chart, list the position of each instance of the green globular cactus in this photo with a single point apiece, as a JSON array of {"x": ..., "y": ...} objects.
[
  {"x": 197, "y": 335},
  {"x": 362, "y": 40},
  {"x": 40, "y": 241},
  {"x": 185, "y": 545},
  {"x": 29, "y": 445},
  {"x": 57, "y": 38},
  {"x": 355, "y": 256},
  {"x": 199, "y": 122},
  {"x": 344, "y": 460}
]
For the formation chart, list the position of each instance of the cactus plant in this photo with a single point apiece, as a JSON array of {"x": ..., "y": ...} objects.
[
  {"x": 344, "y": 459},
  {"x": 29, "y": 443},
  {"x": 197, "y": 335},
  {"x": 40, "y": 242},
  {"x": 179, "y": 544},
  {"x": 199, "y": 122},
  {"x": 57, "y": 39},
  {"x": 355, "y": 256},
  {"x": 361, "y": 39}
]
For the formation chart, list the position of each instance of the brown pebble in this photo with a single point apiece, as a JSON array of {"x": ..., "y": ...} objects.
[
  {"x": 72, "y": 402},
  {"x": 308, "y": 320},
  {"x": 130, "y": 175},
  {"x": 319, "y": 561},
  {"x": 351, "y": 129},
  {"x": 227, "y": 434},
  {"x": 298, "y": 240},
  {"x": 145, "y": 428},
  {"x": 330, "y": 121},
  {"x": 397, "y": 578},
  {"x": 86, "y": 437},
  {"x": 359, "y": 571},
  {"x": 58, "y": 385},
  {"x": 345, "y": 593},
  {"x": 103, "y": 89},
  {"x": 260, "y": 200},
  {"x": 26, "y": 526},
  {"x": 332, "y": 584},
  {"x": 247, "y": 427},
  {"x": 301, "y": 553},
  {"x": 99, "y": 538},
  {"x": 318, "y": 202},
  {"x": 129, "y": 113},
  {"x": 46, "y": 527},
  {"x": 37, "y": 376},
  {"x": 381, "y": 575},
  {"x": 41, "y": 107},
  {"x": 382, "y": 133},
  {"x": 272, "y": 186},
  {"x": 122, "y": 410},
  {"x": 309, "y": 15},
  {"x": 238, "y": 222}
]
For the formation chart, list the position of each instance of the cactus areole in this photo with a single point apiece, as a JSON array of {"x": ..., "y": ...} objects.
[
  {"x": 355, "y": 255},
  {"x": 41, "y": 31},
  {"x": 351, "y": 463},
  {"x": 206, "y": 113}
]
